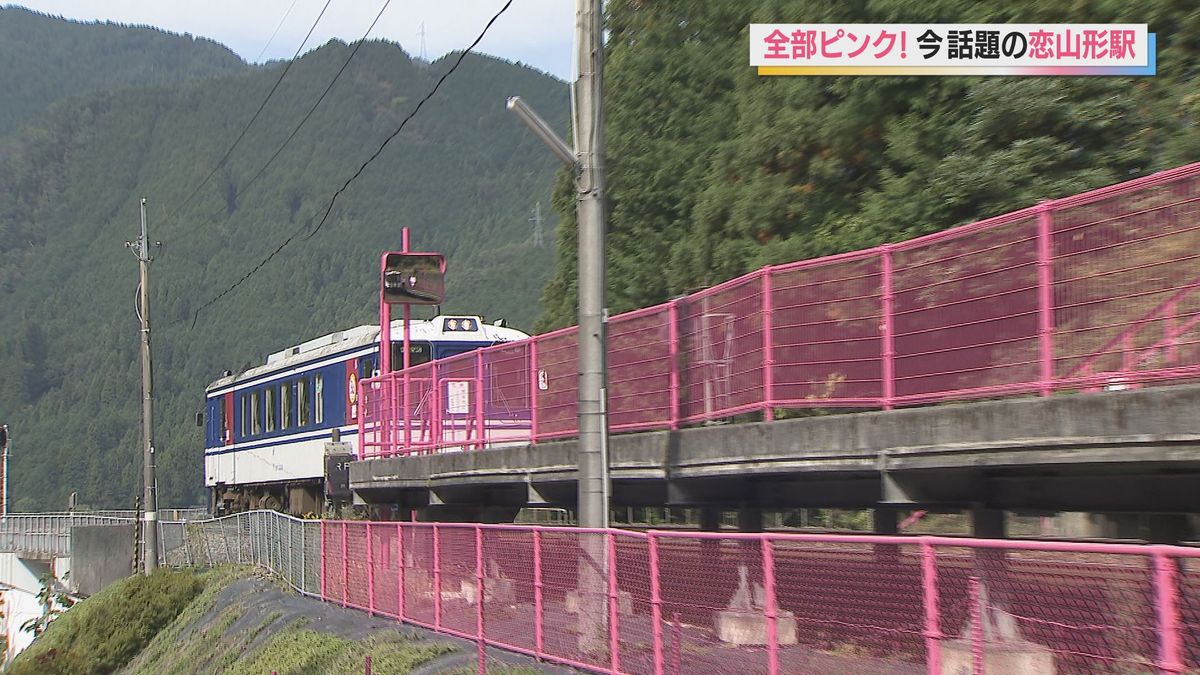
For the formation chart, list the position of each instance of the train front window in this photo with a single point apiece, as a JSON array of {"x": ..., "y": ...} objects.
[{"x": 418, "y": 353}]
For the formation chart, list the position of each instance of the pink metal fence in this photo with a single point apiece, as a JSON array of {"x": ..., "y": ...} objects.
[
  {"x": 1098, "y": 290},
  {"x": 671, "y": 602}
]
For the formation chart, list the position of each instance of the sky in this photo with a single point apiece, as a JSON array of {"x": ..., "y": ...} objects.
[{"x": 535, "y": 32}]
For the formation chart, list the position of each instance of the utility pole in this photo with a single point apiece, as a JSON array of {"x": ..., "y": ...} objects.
[
  {"x": 5, "y": 441},
  {"x": 141, "y": 250},
  {"x": 538, "y": 239},
  {"x": 589, "y": 147}
]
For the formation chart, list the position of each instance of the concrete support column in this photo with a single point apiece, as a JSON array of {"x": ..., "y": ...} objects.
[
  {"x": 750, "y": 519},
  {"x": 710, "y": 518},
  {"x": 885, "y": 521},
  {"x": 988, "y": 524}
]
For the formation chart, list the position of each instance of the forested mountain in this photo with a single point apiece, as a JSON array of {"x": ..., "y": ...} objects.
[
  {"x": 715, "y": 171},
  {"x": 44, "y": 59},
  {"x": 463, "y": 175}
]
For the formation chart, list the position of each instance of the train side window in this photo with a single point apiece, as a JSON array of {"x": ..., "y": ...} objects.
[
  {"x": 318, "y": 398},
  {"x": 285, "y": 405},
  {"x": 255, "y": 413},
  {"x": 245, "y": 413},
  {"x": 302, "y": 401},
  {"x": 269, "y": 404}
]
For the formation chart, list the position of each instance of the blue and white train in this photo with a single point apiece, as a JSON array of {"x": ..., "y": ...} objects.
[{"x": 266, "y": 429}]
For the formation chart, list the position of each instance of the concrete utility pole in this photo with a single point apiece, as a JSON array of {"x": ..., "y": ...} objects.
[
  {"x": 589, "y": 149},
  {"x": 140, "y": 250},
  {"x": 5, "y": 441}
]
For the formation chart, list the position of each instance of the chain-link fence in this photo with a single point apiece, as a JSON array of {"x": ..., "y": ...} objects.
[{"x": 687, "y": 602}]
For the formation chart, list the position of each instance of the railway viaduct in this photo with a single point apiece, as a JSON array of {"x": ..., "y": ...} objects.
[{"x": 1115, "y": 452}]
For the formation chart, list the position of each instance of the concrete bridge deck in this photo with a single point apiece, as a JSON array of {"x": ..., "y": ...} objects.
[{"x": 1132, "y": 451}]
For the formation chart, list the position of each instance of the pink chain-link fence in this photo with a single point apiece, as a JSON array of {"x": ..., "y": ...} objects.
[
  {"x": 1099, "y": 290},
  {"x": 671, "y": 602}
]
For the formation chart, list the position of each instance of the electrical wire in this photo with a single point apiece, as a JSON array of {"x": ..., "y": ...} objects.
[
  {"x": 261, "y": 107},
  {"x": 352, "y": 178},
  {"x": 246, "y": 186},
  {"x": 277, "y": 27}
]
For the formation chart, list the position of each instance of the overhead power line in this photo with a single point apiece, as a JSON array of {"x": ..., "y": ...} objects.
[
  {"x": 276, "y": 32},
  {"x": 295, "y": 130},
  {"x": 261, "y": 107},
  {"x": 333, "y": 200}
]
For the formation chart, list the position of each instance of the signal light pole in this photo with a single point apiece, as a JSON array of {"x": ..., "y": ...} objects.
[{"x": 140, "y": 250}]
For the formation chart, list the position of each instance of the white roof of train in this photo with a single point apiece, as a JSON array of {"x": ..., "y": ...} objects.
[{"x": 362, "y": 336}]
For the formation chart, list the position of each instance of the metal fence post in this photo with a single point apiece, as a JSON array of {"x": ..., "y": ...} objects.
[
  {"x": 977, "y": 611},
  {"x": 1045, "y": 298},
  {"x": 437, "y": 579},
  {"x": 768, "y": 375},
  {"x": 538, "y": 626},
  {"x": 655, "y": 602},
  {"x": 1166, "y": 595},
  {"x": 479, "y": 601},
  {"x": 370, "y": 573},
  {"x": 770, "y": 610},
  {"x": 614, "y": 614},
  {"x": 889, "y": 327},
  {"x": 303, "y": 555},
  {"x": 480, "y": 425},
  {"x": 324, "y": 595},
  {"x": 345, "y": 564},
  {"x": 400, "y": 590},
  {"x": 673, "y": 350},
  {"x": 933, "y": 632},
  {"x": 534, "y": 384}
]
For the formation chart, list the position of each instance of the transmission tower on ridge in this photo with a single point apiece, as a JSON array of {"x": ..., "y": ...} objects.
[
  {"x": 539, "y": 240},
  {"x": 424, "y": 50}
]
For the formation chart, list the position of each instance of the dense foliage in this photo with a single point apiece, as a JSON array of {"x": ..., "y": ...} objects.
[
  {"x": 464, "y": 175},
  {"x": 715, "y": 171},
  {"x": 89, "y": 57},
  {"x": 105, "y": 631}
]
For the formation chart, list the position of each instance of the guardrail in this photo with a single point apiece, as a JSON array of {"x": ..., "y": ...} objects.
[
  {"x": 49, "y": 534},
  {"x": 672, "y": 602},
  {"x": 1091, "y": 291}
]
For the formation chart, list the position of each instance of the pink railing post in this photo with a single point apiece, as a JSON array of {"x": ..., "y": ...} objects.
[
  {"x": 888, "y": 346},
  {"x": 370, "y": 573},
  {"x": 538, "y": 636},
  {"x": 1166, "y": 596},
  {"x": 435, "y": 413},
  {"x": 768, "y": 375},
  {"x": 407, "y": 413},
  {"x": 437, "y": 579},
  {"x": 533, "y": 391},
  {"x": 673, "y": 351},
  {"x": 933, "y": 630},
  {"x": 479, "y": 601},
  {"x": 770, "y": 610},
  {"x": 655, "y": 603},
  {"x": 400, "y": 571},
  {"x": 614, "y": 614},
  {"x": 362, "y": 419},
  {"x": 1045, "y": 297},
  {"x": 367, "y": 665},
  {"x": 345, "y": 566},
  {"x": 676, "y": 645},
  {"x": 479, "y": 423},
  {"x": 977, "y": 611},
  {"x": 324, "y": 596}
]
